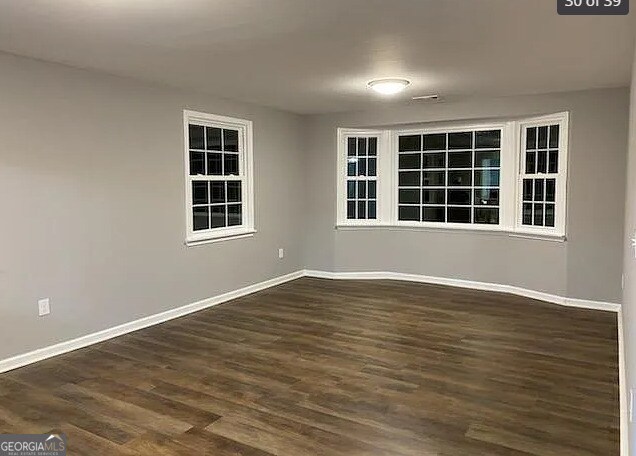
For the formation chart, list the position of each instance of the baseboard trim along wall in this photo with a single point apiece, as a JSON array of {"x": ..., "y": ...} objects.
[
  {"x": 460, "y": 283},
  {"x": 151, "y": 320},
  {"x": 100, "y": 336}
]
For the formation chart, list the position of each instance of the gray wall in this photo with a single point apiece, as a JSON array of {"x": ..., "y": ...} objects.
[
  {"x": 587, "y": 266},
  {"x": 629, "y": 266},
  {"x": 92, "y": 206}
]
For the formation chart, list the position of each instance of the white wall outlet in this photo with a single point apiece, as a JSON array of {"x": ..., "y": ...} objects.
[
  {"x": 44, "y": 307},
  {"x": 281, "y": 253}
]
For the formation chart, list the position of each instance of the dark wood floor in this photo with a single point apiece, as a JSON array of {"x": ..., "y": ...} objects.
[{"x": 319, "y": 367}]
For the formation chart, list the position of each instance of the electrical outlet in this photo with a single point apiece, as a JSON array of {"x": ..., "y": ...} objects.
[
  {"x": 281, "y": 253},
  {"x": 44, "y": 307}
]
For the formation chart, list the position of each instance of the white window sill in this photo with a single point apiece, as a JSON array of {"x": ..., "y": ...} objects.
[
  {"x": 229, "y": 237},
  {"x": 455, "y": 229}
]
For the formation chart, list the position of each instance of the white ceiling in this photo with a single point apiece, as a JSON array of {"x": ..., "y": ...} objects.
[{"x": 312, "y": 56}]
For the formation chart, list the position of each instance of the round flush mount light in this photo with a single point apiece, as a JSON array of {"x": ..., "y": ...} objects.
[{"x": 388, "y": 86}]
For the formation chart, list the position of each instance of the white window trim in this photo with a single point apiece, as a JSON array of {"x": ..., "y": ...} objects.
[
  {"x": 510, "y": 203},
  {"x": 245, "y": 128}
]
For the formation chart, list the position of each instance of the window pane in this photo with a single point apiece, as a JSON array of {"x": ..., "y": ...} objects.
[
  {"x": 531, "y": 138},
  {"x": 371, "y": 209},
  {"x": 487, "y": 178},
  {"x": 230, "y": 140},
  {"x": 531, "y": 162},
  {"x": 460, "y": 159},
  {"x": 435, "y": 142},
  {"x": 213, "y": 137},
  {"x": 487, "y": 159},
  {"x": 197, "y": 163},
  {"x": 373, "y": 147},
  {"x": 549, "y": 215},
  {"x": 351, "y": 189},
  {"x": 538, "y": 214},
  {"x": 351, "y": 147},
  {"x": 362, "y": 209},
  {"x": 218, "y": 192},
  {"x": 554, "y": 136},
  {"x": 231, "y": 164},
  {"x": 527, "y": 214},
  {"x": 488, "y": 139},
  {"x": 410, "y": 161},
  {"x": 486, "y": 197},
  {"x": 542, "y": 161},
  {"x": 433, "y": 196},
  {"x": 196, "y": 137},
  {"x": 459, "y": 215},
  {"x": 409, "y": 196},
  {"x": 550, "y": 189},
  {"x": 362, "y": 146},
  {"x": 410, "y": 143},
  {"x": 218, "y": 216},
  {"x": 362, "y": 166},
  {"x": 460, "y": 178},
  {"x": 459, "y": 197},
  {"x": 362, "y": 189},
  {"x": 371, "y": 189},
  {"x": 234, "y": 192},
  {"x": 538, "y": 189},
  {"x": 543, "y": 138},
  {"x": 351, "y": 209},
  {"x": 433, "y": 214},
  {"x": 528, "y": 186},
  {"x": 489, "y": 216},
  {"x": 372, "y": 167},
  {"x": 409, "y": 179},
  {"x": 460, "y": 140},
  {"x": 433, "y": 178},
  {"x": 234, "y": 215},
  {"x": 215, "y": 163},
  {"x": 411, "y": 213},
  {"x": 200, "y": 218},
  {"x": 553, "y": 161},
  {"x": 352, "y": 166},
  {"x": 199, "y": 193},
  {"x": 435, "y": 160}
]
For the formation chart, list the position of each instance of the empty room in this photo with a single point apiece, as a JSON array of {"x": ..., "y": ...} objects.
[{"x": 317, "y": 227}]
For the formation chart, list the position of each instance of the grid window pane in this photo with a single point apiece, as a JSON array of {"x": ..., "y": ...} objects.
[
  {"x": 433, "y": 214},
  {"x": 234, "y": 192},
  {"x": 553, "y": 161},
  {"x": 373, "y": 146},
  {"x": 460, "y": 178},
  {"x": 200, "y": 192},
  {"x": 351, "y": 147},
  {"x": 488, "y": 216},
  {"x": 230, "y": 164},
  {"x": 434, "y": 196},
  {"x": 538, "y": 189},
  {"x": 460, "y": 159},
  {"x": 372, "y": 189},
  {"x": 486, "y": 197},
  {"x": 543, "y": 138},
  {"x": 434, "y": 160},
  {"x": 409, "y": 196},
  {"x": 361, "y": 170},
  {"x": 527, "y": 214},
  {"x": 488, "y": 139},
  {"x": 196, "y": 133},
  {"x": 554, "y": 136},
  {"x": 542, "y": 161},
  {"x": 371, "y": 209},
  {"x": 550, "y": 190},
  {"x": 197, "y": 163},
  {"x": 528, "y": 188},
  {"x": 217, "y": 190},
  {"x": 409, "y": 213},
  {"x": 435, "y": 142},
  {"x": 352, "y": 166},
  {"x": 215, "y": 164},
  {"x": 218, "y": 216},
  {"x": 362, "y": 147},
  {"x": 410, "y": 143},
  {"x": 200, "y": 218},
  {"x": 433, "y": 178},
  {"x": 458, "y": 214},
  {"x": 461, "y": 197},
  {"x": 409, "y": 178},
  {"x": 460, "y": 140},
  {"x": 531, "y": 162},
  {"x": 213, "y": 136},
  {"x": 362, "y": 189},
  {"x": 410, "y": 161},
  {"x": 362, "y": 209},
  {"x": 234, "y": 215},
  {"x": 487, "y": 177},
  {"x": 531, "y": 138},
  {"x": 351, "y": 209},
  {"x": 372, "y": 167},
  {"x": 487, "y": 159},
  {"x": 230, "y": 140},
  {"x": 549, "y": 215},
  {"x": 538, "y": 214},
  {"x": 351, "y": 189}
]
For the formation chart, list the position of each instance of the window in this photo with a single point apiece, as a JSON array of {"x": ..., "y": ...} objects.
[
  {"x": 542, "y": 169},
  {"x": 219, "y": 198},
  {"x": 449, "y": 177},
  {"x": 507, "y": 176}
]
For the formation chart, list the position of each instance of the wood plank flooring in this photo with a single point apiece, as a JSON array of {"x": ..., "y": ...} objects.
[{"x": 320, "y": 367}]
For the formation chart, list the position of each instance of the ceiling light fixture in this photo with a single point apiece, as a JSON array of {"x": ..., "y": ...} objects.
[{"x": 388, "y": 86}]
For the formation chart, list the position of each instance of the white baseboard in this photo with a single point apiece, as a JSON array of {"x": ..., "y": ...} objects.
[
  {"x": 460, "y": 283},
  {"x": 100, "y": 336}
]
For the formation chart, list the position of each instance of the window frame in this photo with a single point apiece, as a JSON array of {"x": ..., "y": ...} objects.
[
  {"x": 559, "y": 229},
  {"x": 245, "y": 176},
  {"x": 512, "y": 152}
]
